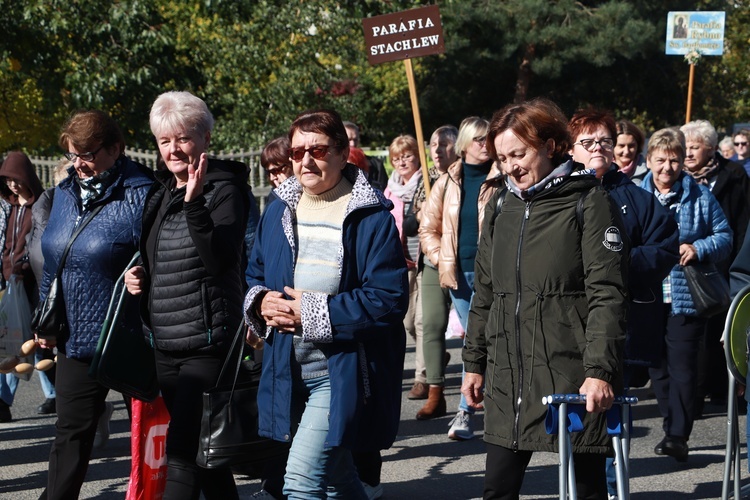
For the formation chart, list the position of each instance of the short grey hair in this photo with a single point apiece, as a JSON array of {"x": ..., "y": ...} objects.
[
  {"x": 727, "y": 142},
  {"x": 701, "y": 130},
  {"x": 470, "y": 128},
  {"x": 447, "y": 132},
  {"x": 180, "y": 111}
]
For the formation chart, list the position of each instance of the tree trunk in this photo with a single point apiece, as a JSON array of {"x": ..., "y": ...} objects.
[{"x": 524, "y": 74}]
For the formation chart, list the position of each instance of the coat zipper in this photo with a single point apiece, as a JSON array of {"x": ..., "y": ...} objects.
[{"x": 517, "y": 405}]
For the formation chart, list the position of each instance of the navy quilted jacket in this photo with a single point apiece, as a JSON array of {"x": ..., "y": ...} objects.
[{"x": 98, "y": 255}]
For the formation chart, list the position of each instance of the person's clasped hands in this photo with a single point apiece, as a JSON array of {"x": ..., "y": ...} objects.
[{"x": 282, "y": 313}]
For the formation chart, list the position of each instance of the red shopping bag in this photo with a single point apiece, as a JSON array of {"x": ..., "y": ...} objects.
[{"x": 148, "y": 445}]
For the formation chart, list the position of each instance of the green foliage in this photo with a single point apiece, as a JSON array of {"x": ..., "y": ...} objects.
[{"x": 258, "y": 63}]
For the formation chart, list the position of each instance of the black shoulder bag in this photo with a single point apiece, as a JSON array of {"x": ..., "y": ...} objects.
[
  {"x": 50, "y": 320},
  {"x": 229, "y": 426}
]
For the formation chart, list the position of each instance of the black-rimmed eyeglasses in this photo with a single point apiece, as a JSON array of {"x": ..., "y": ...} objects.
[{"x": 90, "y": 156}]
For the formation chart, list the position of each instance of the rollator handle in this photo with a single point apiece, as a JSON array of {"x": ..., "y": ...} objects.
[{"x": 581, "y": 399}]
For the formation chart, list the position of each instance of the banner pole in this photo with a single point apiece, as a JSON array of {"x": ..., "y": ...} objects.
[
  {"x": 690, "y": 93},
  {"x": 417, "y": 125}
]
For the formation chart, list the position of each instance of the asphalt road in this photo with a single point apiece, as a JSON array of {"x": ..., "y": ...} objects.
[{"x": 423, "y": 463}]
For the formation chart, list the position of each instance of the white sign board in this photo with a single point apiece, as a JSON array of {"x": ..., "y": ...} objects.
[{"x": 701, "y": 31}]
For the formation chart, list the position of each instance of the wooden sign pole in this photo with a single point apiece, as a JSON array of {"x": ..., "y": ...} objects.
[
  {"x": 690, "y": 93},
  {"x": 417, "y": 125}
]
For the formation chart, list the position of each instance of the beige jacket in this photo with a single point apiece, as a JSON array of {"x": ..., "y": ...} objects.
[{"x": 438, "y": 228}]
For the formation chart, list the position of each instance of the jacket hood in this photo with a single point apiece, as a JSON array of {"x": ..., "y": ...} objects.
[
  {"x": 363, "y": 195},
  {"x": 18, "y": 166}
]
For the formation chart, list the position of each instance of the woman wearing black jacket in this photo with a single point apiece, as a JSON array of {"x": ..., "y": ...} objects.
[{"x": 193, "y": 226}]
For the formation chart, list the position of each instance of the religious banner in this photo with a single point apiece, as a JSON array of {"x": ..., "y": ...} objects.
[{"x": 701, "y": 32}]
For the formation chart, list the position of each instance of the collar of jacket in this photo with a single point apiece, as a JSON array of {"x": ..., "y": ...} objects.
[
  {"x": 456, "y": 172},
  {"x": 363, "y": 195},
  {"x": 131, "y": 174}
]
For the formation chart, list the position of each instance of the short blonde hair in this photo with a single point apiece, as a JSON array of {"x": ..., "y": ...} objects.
[
  {"x": 180, "y": 111},
  {"x": 667, "y": 139},
  {"x": 470, "y": 128},
  {"x": 402, "y": 144}
]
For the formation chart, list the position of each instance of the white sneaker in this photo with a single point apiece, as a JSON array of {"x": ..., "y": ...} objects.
[
  {"x": 461, "y": 428},
  {"x": 102, "y": 427},
  {"x": 373, "y": 492}
]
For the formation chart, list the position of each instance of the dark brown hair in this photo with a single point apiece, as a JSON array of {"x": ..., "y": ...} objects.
[
  {"x": 588, "y": 120},
  {"x": 629, "y": 128},
  {"x": 87, "y": 130},
  {"x": 534, "y": 122},
  {"x": 322, "y": 121},
  {"x": 276, "y": 152}
]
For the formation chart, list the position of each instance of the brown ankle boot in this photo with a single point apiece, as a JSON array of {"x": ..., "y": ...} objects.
[{"x": 435, "y": 405}]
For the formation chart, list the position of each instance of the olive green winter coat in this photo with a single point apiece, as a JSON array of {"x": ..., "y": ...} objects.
[{"x": 549, "y": 310}]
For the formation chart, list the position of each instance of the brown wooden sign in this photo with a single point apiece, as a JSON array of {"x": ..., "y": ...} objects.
[{"x": 404, "y": 35}]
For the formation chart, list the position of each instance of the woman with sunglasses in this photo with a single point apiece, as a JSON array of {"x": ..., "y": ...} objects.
[
  {"x": 106, "y": 189},
  {"x": 328, "y": 291},
  {"x": 275, "y": 161},
  {"x": 449, "y": 232}
]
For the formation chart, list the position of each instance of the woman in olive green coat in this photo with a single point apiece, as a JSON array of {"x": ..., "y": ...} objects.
[{"x": 548, "y": 315}]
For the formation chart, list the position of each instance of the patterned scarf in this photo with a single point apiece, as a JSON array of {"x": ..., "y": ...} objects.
[
  {"x": 703, "y": 175},
  {"x": 92, "y": 188},
  {"x": 405, "y": 191},
  {"x": 670, "y": 200}
]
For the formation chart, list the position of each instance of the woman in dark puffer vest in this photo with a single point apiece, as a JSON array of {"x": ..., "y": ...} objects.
[{"x": 193, "y": 227}]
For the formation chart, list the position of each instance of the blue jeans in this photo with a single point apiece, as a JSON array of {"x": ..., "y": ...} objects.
[
  {"x": 8, "y": 386},
  {"x": 47, "y": 387},
  {"x": 314, "y": 470},
  {"x": 462, "y": 303}
]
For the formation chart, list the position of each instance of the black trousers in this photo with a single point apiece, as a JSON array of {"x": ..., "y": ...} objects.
[
  {"x": 183, "y": 377},
  {"x": 80, "y": 403},
  {"x": 675, "y": 381},
  {"x": 506, "y": 468}
]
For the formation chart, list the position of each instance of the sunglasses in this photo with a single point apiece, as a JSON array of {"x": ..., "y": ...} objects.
[
  {"x": 273, "y": 172},
  {"x": 740, "y": 143},
  {"x": 317, "y": 152},
  {"x": 90, "y": 156}
]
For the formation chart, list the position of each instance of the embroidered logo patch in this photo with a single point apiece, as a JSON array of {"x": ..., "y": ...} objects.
[{"x": 612, "y": 239}]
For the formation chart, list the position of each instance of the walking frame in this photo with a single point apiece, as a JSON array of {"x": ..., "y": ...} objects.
[
  {"x": 569, "y": 420},
  {"x": 735, "y": 337}
]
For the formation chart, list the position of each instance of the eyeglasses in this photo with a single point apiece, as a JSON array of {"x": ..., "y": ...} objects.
[
  {"x": 480, "y": 139},
  {"x": 403, "y": 158},
  {"x": 740, "y": 143},
  {"x": 273, "y": 172},
  {"x": 590, "y": 144},
  {"x": 317, "y": 152},
  {"x": 83, "y": 156}
]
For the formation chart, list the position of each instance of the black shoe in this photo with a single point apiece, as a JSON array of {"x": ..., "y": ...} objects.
[
  {"x": 676, "y": 447},
  {"x": 659, "y": 448},
  {"x": 5, "y": 415},
  {"x": 48, "y": 407}
]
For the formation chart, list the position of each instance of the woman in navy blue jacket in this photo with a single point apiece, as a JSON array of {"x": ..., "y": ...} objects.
[
  {"x": 328, "y": 292},
  {"x": 705, "y": 236},
  {"x": 99, "y": 176},
  {"x": 654, "y": 250}
]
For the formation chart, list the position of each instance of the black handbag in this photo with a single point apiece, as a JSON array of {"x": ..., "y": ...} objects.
[
  {"x": 708, "y": 288},
  {"x": 229, "y": 426},
  {"x": 123, "y": 361},
  {"x": 50, "y": 321}
]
